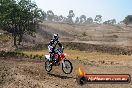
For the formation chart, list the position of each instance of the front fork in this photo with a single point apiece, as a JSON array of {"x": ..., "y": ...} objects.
[
  {"x": 51, "y": 63},
  {"x": 63, "y": 63}
]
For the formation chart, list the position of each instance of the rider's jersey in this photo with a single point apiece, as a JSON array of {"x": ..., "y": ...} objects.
[{"x": 54, "y": 43}]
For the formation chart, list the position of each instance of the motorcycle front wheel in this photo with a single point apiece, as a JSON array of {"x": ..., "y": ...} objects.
[
  {"x": 67, "y": 67},
  {"x": 48, "y": 67}
]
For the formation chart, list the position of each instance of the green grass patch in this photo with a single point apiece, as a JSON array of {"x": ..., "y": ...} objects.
[{"x": 77, "y": 54}]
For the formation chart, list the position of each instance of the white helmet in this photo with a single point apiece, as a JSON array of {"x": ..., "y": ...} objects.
[{"x": 55, "y": 36}]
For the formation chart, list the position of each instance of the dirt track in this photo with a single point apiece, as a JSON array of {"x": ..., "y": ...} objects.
[{"x": 29, "y": 73}]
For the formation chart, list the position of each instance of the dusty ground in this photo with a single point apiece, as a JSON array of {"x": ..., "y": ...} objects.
[{"x": 29, "y": 73}]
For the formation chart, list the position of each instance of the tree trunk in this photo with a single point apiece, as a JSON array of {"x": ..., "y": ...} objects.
[
  {"x": 15, "y": 40},
  {"x": 20, "y": 39},
  {"x": 15, "y": 36}
]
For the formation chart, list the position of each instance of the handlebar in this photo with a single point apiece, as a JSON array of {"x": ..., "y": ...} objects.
[{"x": 59, "y": 50}]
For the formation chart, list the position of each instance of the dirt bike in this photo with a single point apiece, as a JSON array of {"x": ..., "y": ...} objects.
[{"x": 59, "y": 58}]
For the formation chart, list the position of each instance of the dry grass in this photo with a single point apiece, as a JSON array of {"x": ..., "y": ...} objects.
[
  {"x": 38, "y": 52},
  {"x": 76, "y": 54},
  {"x": 102, "y": 34},
  {"x": 4, "y": 38}
]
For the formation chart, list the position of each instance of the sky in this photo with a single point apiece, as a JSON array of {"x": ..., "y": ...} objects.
[{"x": 109, "y": 9}]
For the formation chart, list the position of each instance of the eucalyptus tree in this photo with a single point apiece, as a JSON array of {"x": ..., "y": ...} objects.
[
  {"x": 98, "y": 19},
  {"x": 61, "y": 18},
  {"x": 89, "y": 20},
  {"x": 70, "y": 16},
  {"x": 50, "y": 15},
  {"x": 64, "y": 19},
  {"x": 128, "y": 20},
  {"x": 112, "y": 22},
  {"x": 82, "y": 19},
  {"x": 77, "y": 20},
  {"x": 56, "y": 18},
  {"x": 19, "y": 17},
  {"x": 44, "y": 15}
]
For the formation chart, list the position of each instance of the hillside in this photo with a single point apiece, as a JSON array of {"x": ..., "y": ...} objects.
[
  {"x": 113, "y": 35},
  {"x": 79, "y": 35}
]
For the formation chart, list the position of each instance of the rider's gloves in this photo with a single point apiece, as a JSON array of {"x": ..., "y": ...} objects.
[{"x": 62, "y": 47}]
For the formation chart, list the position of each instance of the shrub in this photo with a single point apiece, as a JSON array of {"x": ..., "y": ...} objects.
[{"x": 84, "y": 34}]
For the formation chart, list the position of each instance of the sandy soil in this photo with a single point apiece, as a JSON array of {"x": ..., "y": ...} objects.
[{"x": 29, "y": 73}]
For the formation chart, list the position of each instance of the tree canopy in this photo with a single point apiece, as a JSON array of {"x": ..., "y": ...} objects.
[
  {"x": 82, "y": 19},
  {"x": 98, "y": 19},
  {"x": 128, "y": 19},
  {"x": 70, "y": 16},
  {"x": 19, "y": 17},
  {"x": 112, "y": 22}
]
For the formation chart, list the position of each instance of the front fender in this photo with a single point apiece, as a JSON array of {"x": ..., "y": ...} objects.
[
  {"x": 63, "y": 55},
  {"x": 47, "y": 57}
]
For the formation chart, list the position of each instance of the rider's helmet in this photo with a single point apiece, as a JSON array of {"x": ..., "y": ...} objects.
[{"x": 55, "y": 36}]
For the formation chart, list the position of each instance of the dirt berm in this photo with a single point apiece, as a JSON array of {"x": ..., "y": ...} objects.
[{"x": 86, "y": 47}]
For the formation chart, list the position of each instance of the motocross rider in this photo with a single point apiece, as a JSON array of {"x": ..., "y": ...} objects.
[{"x": 52, "y": 45}]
